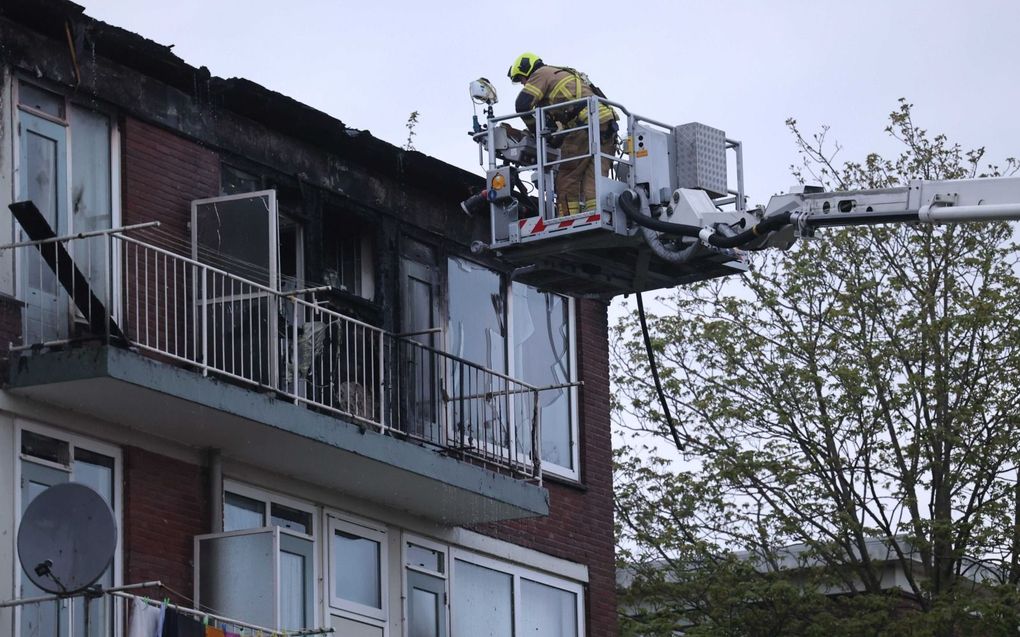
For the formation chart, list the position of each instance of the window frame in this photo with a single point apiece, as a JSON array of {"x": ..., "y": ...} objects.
[
  {"x": 560, "y": 471},
  {"x": 74, "y": 440},
  {"x": 369, "y": 531},
  {"x": 516, "y": 572},
  {"x": 571, "y": 474},
  {"x": 406, "y": 538},
  {"x": 268, "y": 498},
  {"x": 116, "y": 209}
]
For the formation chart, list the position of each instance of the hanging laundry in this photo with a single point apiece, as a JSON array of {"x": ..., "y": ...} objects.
[
  {"x": 189, "y": 627},
  {"x": 144, "y": 620},
  {"x": 212, "y": 631},
  {"x": 177, "y": 624},
  {"x": 169, "y": 623}
]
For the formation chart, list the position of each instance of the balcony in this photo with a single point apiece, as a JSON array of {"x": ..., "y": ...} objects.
[{"x": 212, "y": 360}]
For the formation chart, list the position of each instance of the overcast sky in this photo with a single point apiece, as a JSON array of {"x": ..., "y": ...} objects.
[{"x": 740, "y": 65}]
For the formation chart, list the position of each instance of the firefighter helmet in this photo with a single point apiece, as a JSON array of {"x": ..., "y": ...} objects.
[{"x": 523, "y": 66}]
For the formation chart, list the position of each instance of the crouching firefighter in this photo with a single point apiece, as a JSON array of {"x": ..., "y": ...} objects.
[{"x": 546, "y": 85}]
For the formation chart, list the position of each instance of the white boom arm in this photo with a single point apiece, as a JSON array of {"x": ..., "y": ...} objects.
[{"x": 799, "y": 213}]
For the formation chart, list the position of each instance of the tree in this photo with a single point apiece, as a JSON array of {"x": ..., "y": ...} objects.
[{"x": 847, "y": 407}]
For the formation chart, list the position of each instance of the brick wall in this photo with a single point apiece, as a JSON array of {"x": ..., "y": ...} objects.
[
  {"x": 579, "y": 527},
  {"x": 166, "y": 504},
  {"x": 162, "y": 173},
  {"x": 165, "y": 500}
]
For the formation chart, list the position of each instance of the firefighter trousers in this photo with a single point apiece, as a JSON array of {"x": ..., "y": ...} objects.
[{"x": 575, "y": 180}]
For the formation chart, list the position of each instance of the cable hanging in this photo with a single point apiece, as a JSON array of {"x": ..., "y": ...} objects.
[{"x": 654, "y": 367}]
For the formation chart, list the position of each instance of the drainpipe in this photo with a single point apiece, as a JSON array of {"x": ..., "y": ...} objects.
[{"x": 216, "y": 491}]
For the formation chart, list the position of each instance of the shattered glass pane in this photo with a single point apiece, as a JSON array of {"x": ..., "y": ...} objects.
[
  {"x": 542, "y": 358},
  {"x": 477, "y": 330}
]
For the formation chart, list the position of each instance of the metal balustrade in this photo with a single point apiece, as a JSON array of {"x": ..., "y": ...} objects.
[{"x": 216, "y": 323}]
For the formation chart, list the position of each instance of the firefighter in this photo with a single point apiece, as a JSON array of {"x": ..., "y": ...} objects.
[{"x": 547, "y": 85}]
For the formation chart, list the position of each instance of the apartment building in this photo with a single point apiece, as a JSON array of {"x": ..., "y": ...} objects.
[{"x": 307, "y": 403}]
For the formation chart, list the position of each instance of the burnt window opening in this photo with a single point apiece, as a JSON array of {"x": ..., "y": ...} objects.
[
  {"x": 348, "y": 255},
  {"x": 234, "y": 181}
]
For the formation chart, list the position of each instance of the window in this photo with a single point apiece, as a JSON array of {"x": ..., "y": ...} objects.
[
  {"x": 497, "y": 599},
  {"x": 543, "y": 356},
  {"x": 541, "y": 352},
  {"x": 348, "y": 254},
  {"x": 357, "y": 559},
  {"x": 245, "y": 507},
  {"x": 234, "y": 181},
  {"x": 425, "y": 576},
  {"x": 50, "y": 457},
  {"x": 483, "y": 601},
  {"x": 232, "y": 568},
  {"x": 67, "y": 158}
]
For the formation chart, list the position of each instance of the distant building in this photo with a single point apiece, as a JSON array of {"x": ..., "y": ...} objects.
[
  {"x": 796, "y": 564},
  {"x": 306, "y": 402}
]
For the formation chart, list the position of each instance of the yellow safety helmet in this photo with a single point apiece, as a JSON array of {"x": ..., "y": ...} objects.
[{"x": 523, "y": 66}]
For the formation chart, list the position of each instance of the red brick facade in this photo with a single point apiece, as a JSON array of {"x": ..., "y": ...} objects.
[
  {"x": 162, "y": 174},
  {"x": 166, "y": 505},
  {"x": 579, "y": 527},
  {"x": 165, "y": 500}
]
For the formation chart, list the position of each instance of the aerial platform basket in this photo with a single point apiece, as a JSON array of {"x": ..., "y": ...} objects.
[{"x": 598, "y": 252}]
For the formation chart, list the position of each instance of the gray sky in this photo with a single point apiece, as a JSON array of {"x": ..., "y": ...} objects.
[{"x": 739, "y": 65}]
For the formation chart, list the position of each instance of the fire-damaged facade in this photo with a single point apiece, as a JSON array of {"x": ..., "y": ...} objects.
[{"x": 261, "y": 335}]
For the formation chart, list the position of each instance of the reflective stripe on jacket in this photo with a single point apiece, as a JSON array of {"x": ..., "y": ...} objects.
[{"x": 550, "y": 85}]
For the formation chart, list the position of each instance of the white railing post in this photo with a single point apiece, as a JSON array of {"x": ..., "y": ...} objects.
[
  {"x": 380, "y": 398},
  {"x": 536, "y": 435},
  {"x": 294, "y": 348},
  {"x": 205, "y": 320},
  {"x": 108, "y": 243}
]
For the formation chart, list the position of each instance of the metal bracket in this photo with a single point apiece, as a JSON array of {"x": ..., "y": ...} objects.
[{"x": 937, "y": 201}]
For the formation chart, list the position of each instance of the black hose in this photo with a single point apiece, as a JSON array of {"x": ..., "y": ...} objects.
[
  {"x": 763, "y": 227},
  {"x": 654, "y": 367},
  {"x": 628, "y": 202}
]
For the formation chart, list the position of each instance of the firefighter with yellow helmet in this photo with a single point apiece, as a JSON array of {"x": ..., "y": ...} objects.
[{"x": 547, "y": 85}]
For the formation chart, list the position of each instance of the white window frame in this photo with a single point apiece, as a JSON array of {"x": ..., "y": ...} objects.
[
  {"x": 573, "y": 475},
  {"x": 517, "y": 572},
  {"x": 115, "y": 170},
  {"x": 268, "y": 498},
  {"x": 370, "y": 531},
  {"x": 442, "y": 549},
  {"x": 73, "y": 440},
  {"x": 506, "y": 285}
]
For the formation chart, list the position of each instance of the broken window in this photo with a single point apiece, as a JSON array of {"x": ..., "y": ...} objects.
[
  {"x": 234, "y": 181},
  {"x": 542, "y": 339},
  {"x": 477, "y": 317},
  {"x": 348, "y": 260}
]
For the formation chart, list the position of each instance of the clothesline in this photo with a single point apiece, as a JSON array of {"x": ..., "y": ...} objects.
[{"x": 253, "y": 629}]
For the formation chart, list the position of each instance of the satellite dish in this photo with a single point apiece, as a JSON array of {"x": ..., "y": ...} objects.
[{"x": 66, "y": 539}]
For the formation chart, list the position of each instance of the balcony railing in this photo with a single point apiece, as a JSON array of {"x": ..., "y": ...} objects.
[{"x": 216, "y": 323}]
